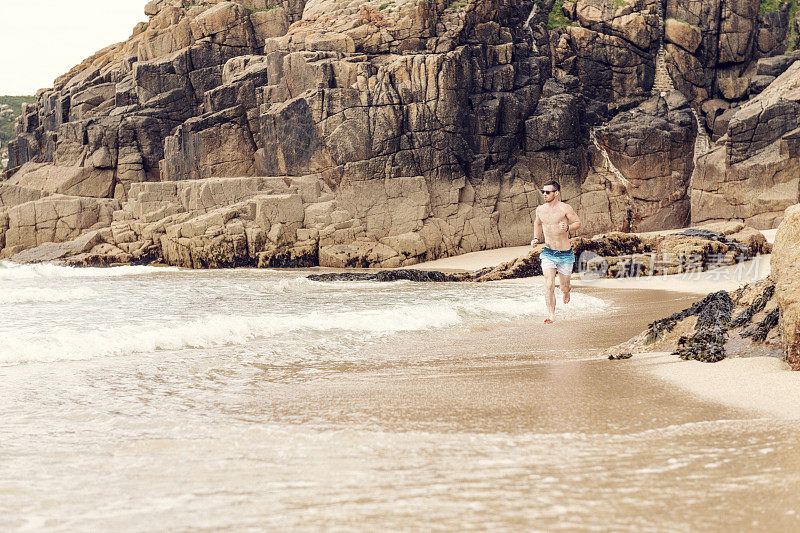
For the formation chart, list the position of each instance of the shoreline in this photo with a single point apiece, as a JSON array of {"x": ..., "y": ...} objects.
[
  {"x": 765, "y": 385},
  {"x": 491, "y": 258},
  {"x": 762, "y": 384}
]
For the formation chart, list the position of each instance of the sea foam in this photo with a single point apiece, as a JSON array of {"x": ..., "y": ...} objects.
[
  {"x": 15, "y": 271},
  {"x": 225, "y": 330},
  {"x": 44, "y": 295}
]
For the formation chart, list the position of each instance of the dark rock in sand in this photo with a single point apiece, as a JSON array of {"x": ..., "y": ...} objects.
[
  {"x": 389, "y": 275},
  {"x": 707, "y": 346},
  {"x": 719, "y": 237},
  {"x": 708, "y": 342},
  {"x": 664, "y": 325},
  {"x": 523, "y": 267}
]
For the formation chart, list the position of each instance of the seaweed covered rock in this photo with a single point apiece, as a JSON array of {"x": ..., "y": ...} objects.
[
  {"x": 611, "y": 244},
  {"x": 707, "y": 344},
  {"x": 522, "y": 267},
  {"x": 741, "y": 323}
]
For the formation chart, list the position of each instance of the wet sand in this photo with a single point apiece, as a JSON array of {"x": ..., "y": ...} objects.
[
  {"x": 761, "y": 384},
  {"x": 507, "y": 427},
  {"x": 764, "y": 384}
]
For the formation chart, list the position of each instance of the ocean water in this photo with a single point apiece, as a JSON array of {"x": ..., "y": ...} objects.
[
  {"x": 141, "y": 398},
  {"x": 54, "y": 313}
]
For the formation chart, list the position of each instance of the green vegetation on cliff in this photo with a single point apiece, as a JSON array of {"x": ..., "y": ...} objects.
[
  {"x": 771, "y": 5},
  {"x": 774, "y": 5},
  {"x": 556, "y": 19},
  {"x": 15, "y": 102},
  {"x": 7, "y": 119}
]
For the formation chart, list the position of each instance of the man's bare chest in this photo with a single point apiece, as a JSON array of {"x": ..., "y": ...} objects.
[{"x": 552, "y": 215}]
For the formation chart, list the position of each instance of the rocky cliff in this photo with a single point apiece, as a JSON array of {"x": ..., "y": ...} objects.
[
  {"x": 288, "y": 133},
  {"x": 752, "y": 172}
]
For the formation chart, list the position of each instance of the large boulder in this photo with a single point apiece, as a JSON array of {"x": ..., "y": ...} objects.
[
  {"x": 772, "y": 36},
  {"x": 682, "y": 34},
  {"x": 11, "y": 195},
  {"x": 740, "y": 323},
  {"x": 753, "y": 174},
  {"x": 54, "y": 218},
  {"x": 92, "y": 181},
  {"x": 786, "y": 272},
  {"x": 775, "y": 65},
  {"x": 653, "y": 147}
]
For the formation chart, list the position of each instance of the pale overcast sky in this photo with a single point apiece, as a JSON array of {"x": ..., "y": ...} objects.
[{"x": 42, "y": 39}]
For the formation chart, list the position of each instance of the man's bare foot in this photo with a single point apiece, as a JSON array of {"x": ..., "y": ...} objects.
[
  {"x": 549, "y": 320},
  {"x": 566, "y": 297}
]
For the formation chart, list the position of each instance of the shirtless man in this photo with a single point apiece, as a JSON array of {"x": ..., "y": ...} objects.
[{"x": 555, "y": 219}]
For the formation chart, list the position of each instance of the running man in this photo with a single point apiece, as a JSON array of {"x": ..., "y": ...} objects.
[{"x": 555, "y": 219}]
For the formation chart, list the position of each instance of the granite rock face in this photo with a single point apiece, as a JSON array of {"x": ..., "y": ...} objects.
[
  {"x": 54, "y": 218},
  {"x": 293, "y": 133},
  {"x": 410, "y": 118},
  {"x": 653, "y": 147},
  {"x": 610, "y": 47},
  {"x": 712, "y": 47},
  {"x": 753, "y": 172}
]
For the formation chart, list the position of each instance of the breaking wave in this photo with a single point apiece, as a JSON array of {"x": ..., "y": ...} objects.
[
  {"x": 15, "y": 271},
  {"x": 300, "y": 329},
  {"x": 36, "y": 295}
]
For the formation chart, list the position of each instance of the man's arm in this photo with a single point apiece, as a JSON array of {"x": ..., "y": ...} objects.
[
  {"x": 572, "y": 217},
  {"x": 537, "y": 230}
]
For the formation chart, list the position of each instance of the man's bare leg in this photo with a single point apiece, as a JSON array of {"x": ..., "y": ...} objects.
[
  {"x": 550, "y": 293},
  {"x": 565, "y": 287}
]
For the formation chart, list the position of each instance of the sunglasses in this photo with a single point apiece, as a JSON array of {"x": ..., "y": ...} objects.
[{"x": 546, "y": 192}]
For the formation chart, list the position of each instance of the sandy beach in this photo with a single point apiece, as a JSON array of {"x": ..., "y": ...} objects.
[
  {"x": 763, "y": 384},
  {"x": 258, "y": 399}
]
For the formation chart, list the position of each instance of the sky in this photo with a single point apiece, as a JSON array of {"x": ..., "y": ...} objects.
[{"x": 42, "y": 39}]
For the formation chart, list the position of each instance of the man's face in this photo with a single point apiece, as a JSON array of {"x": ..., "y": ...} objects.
[{"x": 548, "y": 193}]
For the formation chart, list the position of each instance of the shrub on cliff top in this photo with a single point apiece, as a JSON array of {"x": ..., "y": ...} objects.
[{"x": 7, "y": 121}]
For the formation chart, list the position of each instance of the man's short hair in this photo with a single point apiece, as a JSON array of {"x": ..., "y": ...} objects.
[{"x": 554, "y": 183}]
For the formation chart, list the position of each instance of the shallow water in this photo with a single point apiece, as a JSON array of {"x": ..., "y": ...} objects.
[{"x": 141, "y": 398}]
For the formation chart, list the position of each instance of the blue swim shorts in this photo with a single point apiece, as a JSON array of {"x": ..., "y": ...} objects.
[{"x": 559, "y": 260}]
